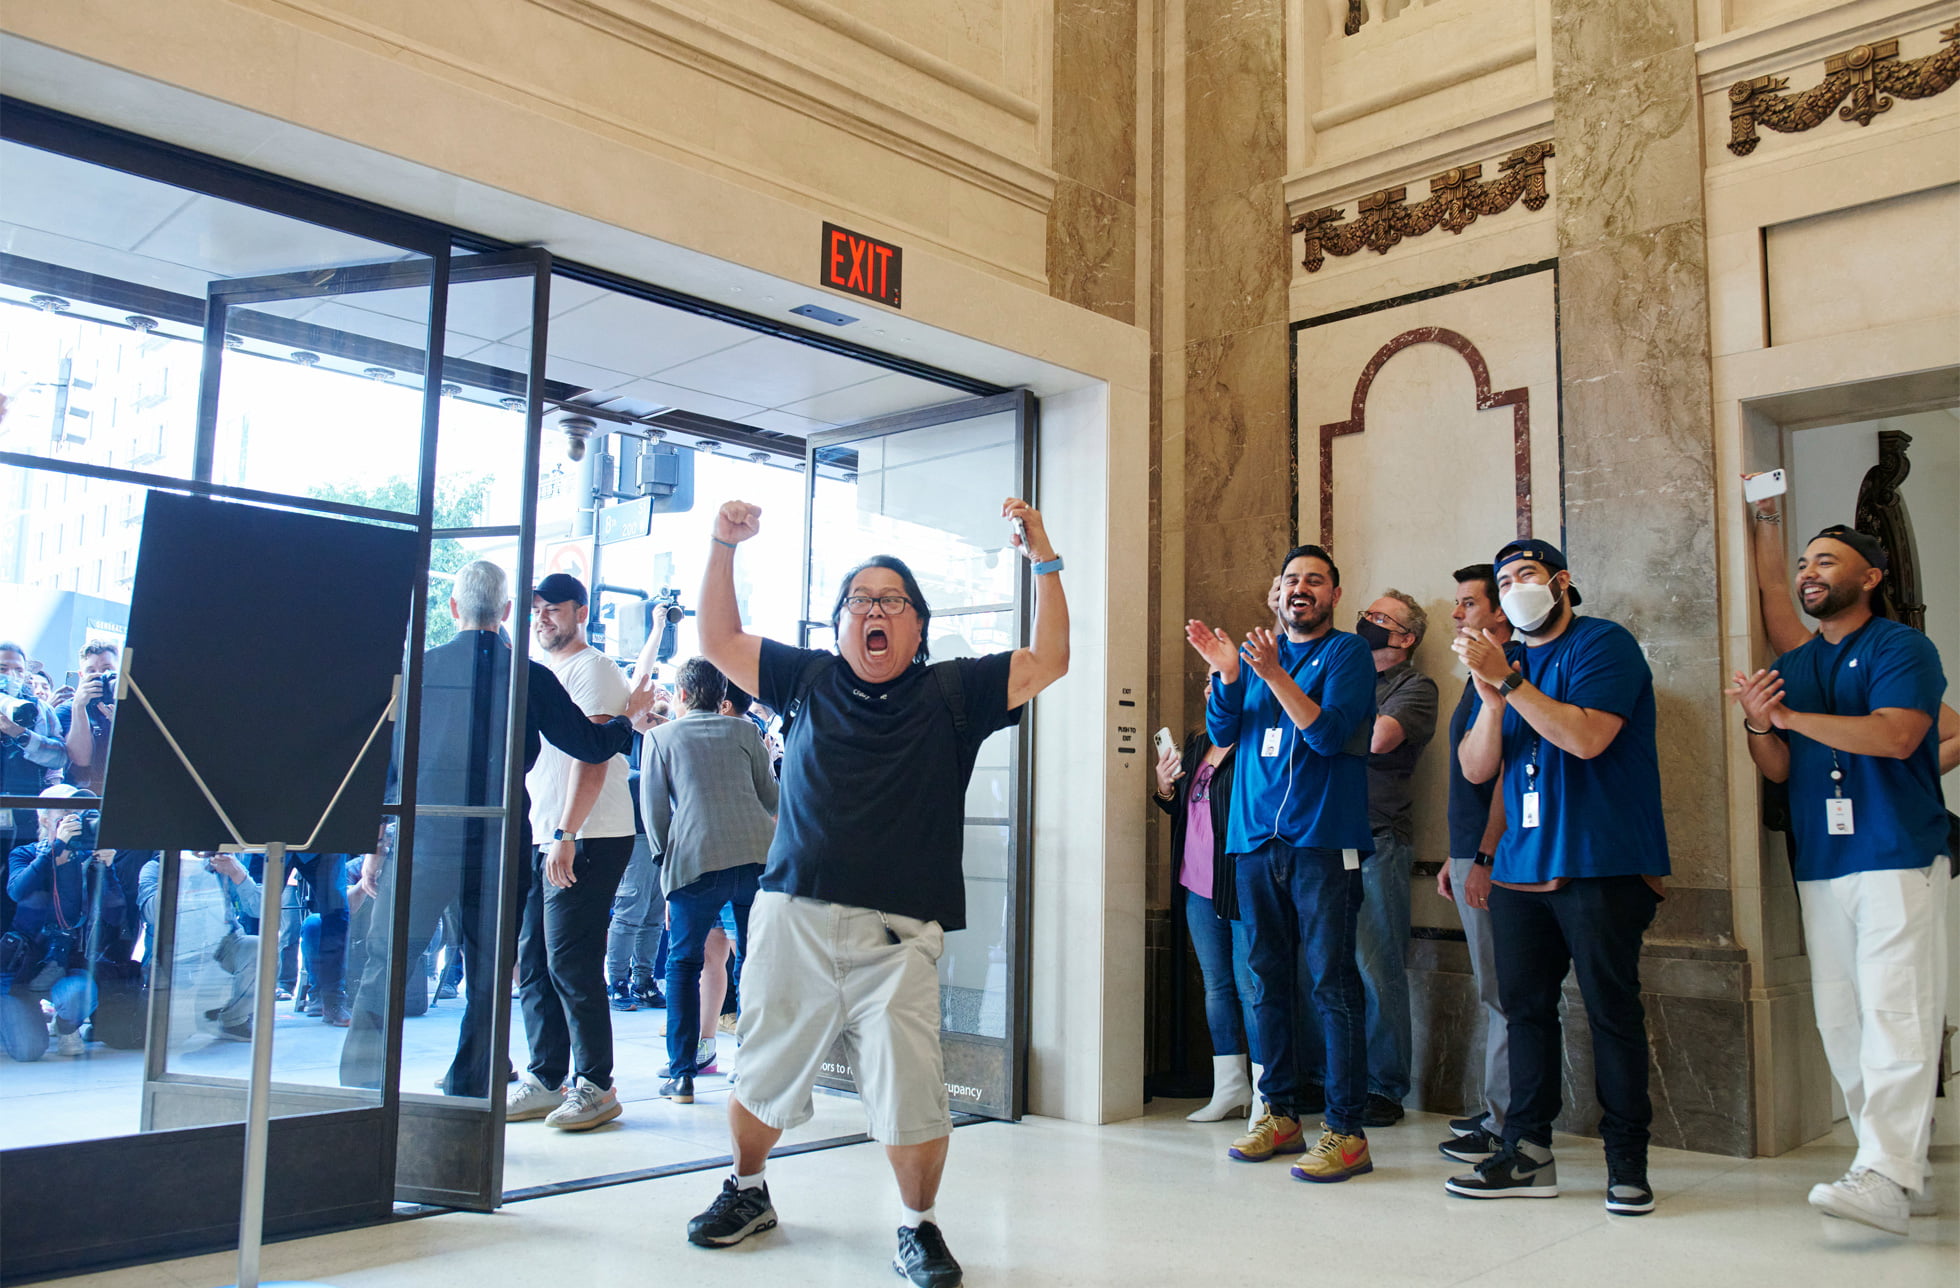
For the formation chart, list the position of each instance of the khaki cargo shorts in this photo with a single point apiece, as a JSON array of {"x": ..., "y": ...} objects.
[{"x": 814, "y": 971}]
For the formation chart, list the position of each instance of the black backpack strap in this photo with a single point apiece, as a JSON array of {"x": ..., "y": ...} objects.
[
  {"x": 948, "y": 676},
  {"x": 806, "y": 680}
]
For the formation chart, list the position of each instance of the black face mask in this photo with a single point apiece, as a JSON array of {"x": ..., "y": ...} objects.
[{"x": 1373, "y": 633}]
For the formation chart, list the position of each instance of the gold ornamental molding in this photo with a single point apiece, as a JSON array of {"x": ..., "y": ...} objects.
[
  {"x": 1457, "y": 198},
  {"x": 1860, "y": 79}
]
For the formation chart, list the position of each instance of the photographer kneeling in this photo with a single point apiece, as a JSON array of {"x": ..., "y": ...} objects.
[{"x": 68, "y": 909}]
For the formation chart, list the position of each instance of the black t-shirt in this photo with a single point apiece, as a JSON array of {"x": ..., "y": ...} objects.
[{"x": 874, "y": 777}]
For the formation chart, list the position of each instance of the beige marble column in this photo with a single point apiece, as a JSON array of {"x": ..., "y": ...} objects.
[
  {"x": 1236, "y": 457},
  {"x": 1640, "y": 511},
  {"x": 1092, "y": 226}
]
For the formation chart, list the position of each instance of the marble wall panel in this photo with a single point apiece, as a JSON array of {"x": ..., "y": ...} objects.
[
  {"x": 1095, "y": 78},
  {"x": 1233, "y": 279},
  {"x": 1621, "y": 31},
  {"x": 1092, "y": 261},
  {"x": 1233, "y": 83},
  {"x": 1629, "y": 142},
  {"x": 1092, "y": 223},
  {"x": 1699, "y": 1070}
]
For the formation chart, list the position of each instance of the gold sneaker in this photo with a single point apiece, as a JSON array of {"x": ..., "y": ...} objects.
[
  {"x": 1269, "y": 1134},
  {"x": 1334, "y": 1158}
]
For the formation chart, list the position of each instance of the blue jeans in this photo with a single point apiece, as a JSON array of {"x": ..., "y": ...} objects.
[
  {"x": 694, "y": 910},
  {"x": 633, "y": 942},
  {"x": 1381, "y": 938},
  {"x": 1303, "y": 902},
  {"x": 1223, "y": 949}
]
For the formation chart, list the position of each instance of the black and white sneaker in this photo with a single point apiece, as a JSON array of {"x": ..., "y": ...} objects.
[
  {"x": 1520, "y": 1171},
  {"x": 1471, "y": 1147},
  {"x": 735, "y": 1214},
  {"x": 1474, "y": 1123},
  {"x": 1627, "y": 1191},
  {"x": 922, "y": 1257}
]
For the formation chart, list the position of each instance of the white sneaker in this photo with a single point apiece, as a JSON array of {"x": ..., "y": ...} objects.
[
  {"x": 704, "y": 1057},
  {"x": 70, "y": 1044},
  {"x": 1866, "y": 1197},
  {"x": 586, "y": 1106},
  {"x": 1924, "y": 1203},
  {"x": 530, "y": 1099}
]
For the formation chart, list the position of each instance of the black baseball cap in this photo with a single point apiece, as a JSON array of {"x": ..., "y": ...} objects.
[
  {"x": 559, "y": 587},
  {"x": 1543, "y": 552},
  {"x": 1870, "y": 548}
]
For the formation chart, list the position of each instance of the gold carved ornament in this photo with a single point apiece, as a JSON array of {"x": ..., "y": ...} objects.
[
  {"x": 1860, "y": 79},
  {"x": 1456, "y": 198}
]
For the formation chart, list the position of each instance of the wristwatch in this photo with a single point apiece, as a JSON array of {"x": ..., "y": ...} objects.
[
  {"x": 1512, "y": 682},
  {"x": 560, "y": 834},
  {"x": 1483, "y": 860}
]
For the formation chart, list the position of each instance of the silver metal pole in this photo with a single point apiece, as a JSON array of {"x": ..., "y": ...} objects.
[{"x": 258, "y": 1093}]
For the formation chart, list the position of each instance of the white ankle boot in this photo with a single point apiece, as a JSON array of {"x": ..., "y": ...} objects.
[{"x": 1231, "y": 1093}]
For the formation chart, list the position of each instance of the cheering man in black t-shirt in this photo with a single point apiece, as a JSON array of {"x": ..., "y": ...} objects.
[{"x": 863, "y": 878}]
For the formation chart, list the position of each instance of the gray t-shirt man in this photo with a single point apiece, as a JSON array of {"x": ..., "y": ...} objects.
[{"x": 1410, "y": 696}]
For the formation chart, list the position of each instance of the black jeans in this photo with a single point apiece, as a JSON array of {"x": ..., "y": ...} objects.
[
  {"x": 561, "y": 963},
  {"x": 1592, "y": 926}
]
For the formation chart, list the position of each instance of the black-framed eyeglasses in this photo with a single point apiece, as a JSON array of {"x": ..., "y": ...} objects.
[
  {"x": 859, "y": 605},
  {"x": 1383, "y": 619}
]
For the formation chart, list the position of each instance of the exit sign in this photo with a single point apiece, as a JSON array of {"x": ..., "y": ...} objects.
[{"x": 861, "y": 265}]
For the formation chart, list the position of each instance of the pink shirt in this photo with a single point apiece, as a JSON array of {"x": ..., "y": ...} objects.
[{"x": 1199, "y": 844}]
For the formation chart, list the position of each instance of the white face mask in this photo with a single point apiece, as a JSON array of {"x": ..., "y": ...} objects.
[{"x": 1528, "y": 604}]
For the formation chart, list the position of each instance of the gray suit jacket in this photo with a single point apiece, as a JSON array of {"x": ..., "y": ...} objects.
[{"x": 707, "y": 796}]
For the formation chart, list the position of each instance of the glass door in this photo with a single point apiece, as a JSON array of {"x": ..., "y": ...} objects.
[
  {"x": 927, "y": 486},
  {"x": 443, "y": 927}
]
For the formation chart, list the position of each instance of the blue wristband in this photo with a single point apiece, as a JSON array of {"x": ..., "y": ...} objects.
[{"x": 1053, "y": 565}]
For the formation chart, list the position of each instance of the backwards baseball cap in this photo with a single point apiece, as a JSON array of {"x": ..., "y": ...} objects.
[
  {"x": 65, "y": 791},
  {"x": 1541, "y": 552},
  {"x": 559, "y": 587},
  {"x": 1867, "y": 546}
]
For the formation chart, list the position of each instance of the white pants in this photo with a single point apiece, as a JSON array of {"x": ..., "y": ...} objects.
[{"x": 1877, "y": 944}]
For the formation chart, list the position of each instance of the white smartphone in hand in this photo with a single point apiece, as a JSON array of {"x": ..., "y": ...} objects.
[
  {"x": 1760, "y": 487},
  {"x": 1166, "y": 745}
]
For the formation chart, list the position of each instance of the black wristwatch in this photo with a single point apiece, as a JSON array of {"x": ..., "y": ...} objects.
[
  {"x": 1512, "y": 683},
  {"x": 1483, "y": 860}
]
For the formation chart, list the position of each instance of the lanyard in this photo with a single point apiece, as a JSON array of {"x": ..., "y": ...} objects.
[{"x": 1828, "y": 687}]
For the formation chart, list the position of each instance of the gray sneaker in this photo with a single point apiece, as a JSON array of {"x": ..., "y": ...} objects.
[
  {"x": 530, "y": 1099},
  {"x": 587, "y": 1105}
]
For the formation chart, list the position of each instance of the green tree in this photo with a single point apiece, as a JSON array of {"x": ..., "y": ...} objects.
[{"x": 459, "y": 504}]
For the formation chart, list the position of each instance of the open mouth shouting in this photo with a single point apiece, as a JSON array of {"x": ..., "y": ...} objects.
[{"x": 877, "y": 643}]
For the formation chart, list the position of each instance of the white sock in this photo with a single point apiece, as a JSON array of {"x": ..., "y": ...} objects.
[
  {"x": 748, "y": 1182},
  {"x": 916, "y": 1219}
]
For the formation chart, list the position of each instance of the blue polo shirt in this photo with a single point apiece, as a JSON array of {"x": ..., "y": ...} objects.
[
  {"x": 1898, "y": 819},
  {"x": 1312, "y": 792},
  {"x": 1598, "y": 817}
]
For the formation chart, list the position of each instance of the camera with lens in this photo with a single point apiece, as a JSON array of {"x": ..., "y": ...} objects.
[
  {"x": 103, "y": 708},
  {"x": 83, "y": 842},
  {"x": 18, "y": 704}
]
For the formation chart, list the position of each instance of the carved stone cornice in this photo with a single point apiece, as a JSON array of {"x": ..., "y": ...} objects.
[
  {"x": 1860, "y": 79},
  {"x": 1457, "y": 197}
]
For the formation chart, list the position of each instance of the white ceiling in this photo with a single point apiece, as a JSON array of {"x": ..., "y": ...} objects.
[{"x": 630, "y": 355}]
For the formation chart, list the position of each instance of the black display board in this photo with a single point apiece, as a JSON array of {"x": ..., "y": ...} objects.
[{"x": 267, "y": 643}]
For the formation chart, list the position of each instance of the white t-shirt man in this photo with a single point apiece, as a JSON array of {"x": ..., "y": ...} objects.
[{"x": 599, "y": 687}]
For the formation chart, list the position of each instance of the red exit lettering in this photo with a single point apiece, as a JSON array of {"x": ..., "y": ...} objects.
[{"x": 861, "y": 265}]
